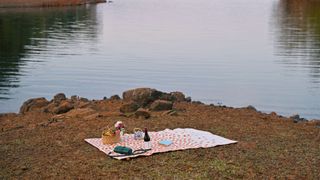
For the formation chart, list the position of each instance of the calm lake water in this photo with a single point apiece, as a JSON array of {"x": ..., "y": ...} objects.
[{"x": 263, "y": 53}]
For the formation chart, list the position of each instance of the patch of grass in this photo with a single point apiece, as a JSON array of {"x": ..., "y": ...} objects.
[
  {"x": 18, "y": 142},
  {"x": 224, "y": 168}
]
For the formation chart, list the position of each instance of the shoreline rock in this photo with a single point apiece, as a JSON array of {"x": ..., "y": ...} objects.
[
  {"x": 139, "y": 102},
  {"x": 161, "y": 105},
  {"x": 142, "y": 113},
  {"x": 296, "y": 118},
  {"x": 141, "y": 96},
  {"x": 129, "y": 107},
  {"x": 33, "y": 104}
]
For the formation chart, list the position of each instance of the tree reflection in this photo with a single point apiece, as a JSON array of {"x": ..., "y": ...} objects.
[
  {"x": 19, "y": 28},
  {"x": 298, "y": 34}
]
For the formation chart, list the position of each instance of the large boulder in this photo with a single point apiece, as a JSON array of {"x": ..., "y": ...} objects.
[
  {"x": 82, "y": 99},
  {"x": 166, "y": 97},
  {"x": 115, "y": 97},
  {"x": 49, "y": 108},
  {"x": 64, "y": 107},
  {"x": 178, "y": 96},
  {"x": 296, "y": 118},
  {"x": 142, "y": 113},
  {"x": 129, "y": 107},
  {"x": 33, "y": 104},
  {"x": 142, "y": 96},
  {"x": 252, "y": 108},
  {"x": 161, "y": 105},
  {"x": 59, "y": 97},
  {"x": 74, "y": 98}
]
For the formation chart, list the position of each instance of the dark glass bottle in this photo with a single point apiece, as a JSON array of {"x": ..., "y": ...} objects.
[
  {"x": 146, "y": 135},
  {"x": 147, "y": 143}
]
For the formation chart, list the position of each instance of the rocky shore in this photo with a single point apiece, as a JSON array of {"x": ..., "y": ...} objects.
[
  {"x": 45, "y": 139},
  {"x": 137, "y": 102},
  {"x": 44, "y": 3}
]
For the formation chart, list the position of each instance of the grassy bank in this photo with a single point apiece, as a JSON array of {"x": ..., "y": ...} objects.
[{"x": 43, "y": 145}]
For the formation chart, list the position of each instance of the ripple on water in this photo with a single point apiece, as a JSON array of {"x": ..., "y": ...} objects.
[{"x": 214, "y": 51}]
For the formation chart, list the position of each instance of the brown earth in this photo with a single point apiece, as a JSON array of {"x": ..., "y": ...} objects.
[{"x": 39, "y": 144}]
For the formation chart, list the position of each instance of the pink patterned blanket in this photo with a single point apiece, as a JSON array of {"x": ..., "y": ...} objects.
[{"x": 182, "y": 139}]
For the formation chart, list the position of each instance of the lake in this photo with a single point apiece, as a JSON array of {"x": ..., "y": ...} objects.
[{"x": 237, "y": 53}]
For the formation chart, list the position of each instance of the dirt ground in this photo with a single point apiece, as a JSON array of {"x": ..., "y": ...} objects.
[{"x": 45, "y": 146}]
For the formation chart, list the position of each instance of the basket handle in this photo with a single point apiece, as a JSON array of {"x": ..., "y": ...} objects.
[{"x": 137, "y": 130}]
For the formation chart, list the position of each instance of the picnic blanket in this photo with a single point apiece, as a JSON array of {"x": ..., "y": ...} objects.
[{"x": 181, "y": 139}]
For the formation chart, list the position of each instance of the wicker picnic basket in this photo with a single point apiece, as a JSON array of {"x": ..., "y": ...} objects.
[{"x": 110, "y": 137}]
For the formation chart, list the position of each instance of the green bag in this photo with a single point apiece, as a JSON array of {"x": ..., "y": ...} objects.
[
  {"x": 123, "y": 150},
  {"x": 126, "y": 151}
]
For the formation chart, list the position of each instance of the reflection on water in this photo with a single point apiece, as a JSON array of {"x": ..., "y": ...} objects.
[
  {"x": 298, "y": 35},
  {"x": 25, "y": 33},
  {"x": 215, "y": 51}
]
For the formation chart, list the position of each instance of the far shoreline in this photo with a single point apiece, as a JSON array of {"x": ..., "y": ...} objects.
[{"x": 12, "y": 4}]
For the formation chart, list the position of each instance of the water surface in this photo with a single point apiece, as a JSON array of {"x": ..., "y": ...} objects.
[{"x": 263, "y": 53}]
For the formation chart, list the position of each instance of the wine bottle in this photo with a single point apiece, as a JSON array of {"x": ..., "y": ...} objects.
[{"x": 147, "y": 143}]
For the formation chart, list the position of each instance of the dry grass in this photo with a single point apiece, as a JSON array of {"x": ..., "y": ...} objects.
[{"x": 269, "y": 146}]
